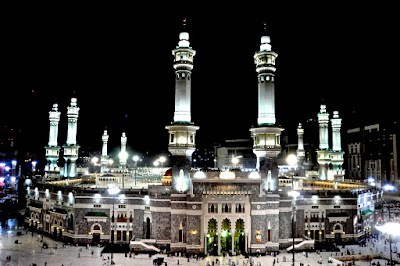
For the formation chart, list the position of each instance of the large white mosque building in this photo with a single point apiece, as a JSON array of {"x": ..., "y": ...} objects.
[{"x": 197, "y": 211}]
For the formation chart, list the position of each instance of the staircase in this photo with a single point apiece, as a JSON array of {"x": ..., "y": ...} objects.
[
  {"x": 142, "y": 246},
  {"x": 306, "y": 244}
]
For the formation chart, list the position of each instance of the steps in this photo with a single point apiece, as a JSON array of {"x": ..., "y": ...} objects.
[
  {"x": 306, "y": 244},
  {"x": 142, "y": 246}
]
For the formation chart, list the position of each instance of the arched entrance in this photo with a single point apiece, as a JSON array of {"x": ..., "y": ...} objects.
[
  {"x": 96, "y": 235},
  {"x": 148, "y": 228},
  {"x": 239, "y": 244},
  {"x": 226, "y": 237},
  {"x": 212, "y": 237}
]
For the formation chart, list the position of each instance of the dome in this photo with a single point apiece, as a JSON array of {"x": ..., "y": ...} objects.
[{"x": 168, "y": 172}]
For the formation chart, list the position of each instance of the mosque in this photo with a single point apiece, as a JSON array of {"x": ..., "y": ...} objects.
[{"x": 198, "y": 211}]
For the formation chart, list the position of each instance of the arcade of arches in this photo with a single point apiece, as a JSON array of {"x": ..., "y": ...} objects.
[{"x": 224, "y": 238}]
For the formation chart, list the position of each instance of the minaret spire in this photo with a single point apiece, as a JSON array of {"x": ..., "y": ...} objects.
[
  {"x": 123, "y": 156},
  {"x": 52, "y": 149},
  {"x": 104, "y": 152},
  {"x": 71, "y": 148},
  {"x": 266, "y": 135},
  {"x": 182, "y": 131}
]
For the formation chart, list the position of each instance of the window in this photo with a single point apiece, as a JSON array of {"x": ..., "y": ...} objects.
[
  {"x": 96, "y": 227},
  {"x": 314, "y": 207},
  {"x": 96, "y": 206},
  {"x": 180, "y": 235},
  {"x": 172, "y": 136},
  {"x": 212, "y": 208},
  {"x": 336, "y": 207},
  {"x": 226, "y": 208},
  {"x": 239, "y": 208},
  {"x": 122, "y": 206}
]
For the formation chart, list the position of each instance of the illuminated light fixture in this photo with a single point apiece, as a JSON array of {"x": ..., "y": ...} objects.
[
  {"x": 227, "y": 175},
  {"x": 181, "y": 185},
  {"x": 389, "y": 228},
  {"x": 70, "y": 197},
  {"x": 224, "y": 233},
  {"x": 194, "y": 232},
  {"x": 97, "y": 198},
  {"x": 199, "y": 175},
  {"x": 147, "y": 199},
  {"x": 47, "y": 193},
  {"x": 292, "y": 160},
  {"x": 208, "y": 235},
  {"x": 121, "y": 198},
  {"x": 254, "y": 175},
  {"x": 388, "y": 187},
  {"x": 314, "y": 197},
  {"x": 294, "y": 194}
]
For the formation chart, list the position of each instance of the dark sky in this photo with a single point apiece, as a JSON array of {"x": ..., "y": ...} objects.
[{"x": 118, "y": 61}]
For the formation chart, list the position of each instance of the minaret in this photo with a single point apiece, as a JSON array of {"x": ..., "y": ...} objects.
[
  {"x": 71, "y": 148},
  {"x": 104, "y": 154},
  {"x": 123, "y": 155},
  {"x": 300, "y": 142},
  {"x": 323, "y": 153},
  {"x": 337, "y": 153},
  {"x": 266, "y": 135},
  {"x": 52, "y": 149},
  {"x": 323, "y": 120},
  {"x": 336, "y": 138},
  {"x": 300, "y": 149},
  {"x": 182, "y": 131}
]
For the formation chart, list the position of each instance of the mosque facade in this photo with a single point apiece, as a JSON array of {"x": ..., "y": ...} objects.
[{"x": 198, "y": 211}]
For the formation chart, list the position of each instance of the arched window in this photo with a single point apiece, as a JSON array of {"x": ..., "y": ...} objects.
[
  {"x": 226, "y": 208},
  {"x": 212, "y": 208},
  {"x": 96, "y": 227}
]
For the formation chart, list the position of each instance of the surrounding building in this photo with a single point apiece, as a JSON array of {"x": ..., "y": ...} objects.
[{"x": 373, "y": 153}]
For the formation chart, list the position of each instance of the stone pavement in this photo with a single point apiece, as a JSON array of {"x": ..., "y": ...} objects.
[{"x": 29, "y": 250}]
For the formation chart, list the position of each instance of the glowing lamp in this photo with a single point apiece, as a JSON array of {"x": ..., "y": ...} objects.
[
  {"x": 254, "y": 175},
  {"x": 199, "y": 175},
  {"x": 227, "y": 175}
]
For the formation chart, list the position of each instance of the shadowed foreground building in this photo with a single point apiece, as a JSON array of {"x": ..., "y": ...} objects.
[{"x": 203, "y": 211}]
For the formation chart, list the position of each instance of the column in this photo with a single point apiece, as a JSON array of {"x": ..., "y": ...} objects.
[
  {"x": 233, "y": 235},
  {"x": 219, "y": 240}
]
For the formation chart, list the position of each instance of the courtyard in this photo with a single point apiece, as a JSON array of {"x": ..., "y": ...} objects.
[{"x": 29, "y": 250}]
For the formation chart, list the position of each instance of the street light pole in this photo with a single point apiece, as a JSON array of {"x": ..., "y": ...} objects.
[
  {"x": 135, "y": 159},
  {"x": 113, "y": 191}
]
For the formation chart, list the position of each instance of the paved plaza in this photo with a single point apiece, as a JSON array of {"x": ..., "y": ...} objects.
[{"x": 29, "y": 250}]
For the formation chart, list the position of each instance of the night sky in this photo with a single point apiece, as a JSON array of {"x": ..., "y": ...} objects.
[{"x": 118, "y": 62}]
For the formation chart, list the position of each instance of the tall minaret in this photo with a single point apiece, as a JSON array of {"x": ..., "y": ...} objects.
[
  {"x": 300, "y": 142},
  {"x": 336, "y": 138},
  {"x": 266, "y": 135},
  {"x": 104, "y": 154},
  {"x": 323, "y": 120},
  {"x": 181, "y": 144},
  {"x": 123, "y": 155},
  {"x": 323, "y": 153},
  {"x": 300, "y": 149},
  {"x": 337, "y": 153},
  {"x": 71, "y": 148},
  {"x": 182, "y": 131},
  {"x": 52, "y": 149}
]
